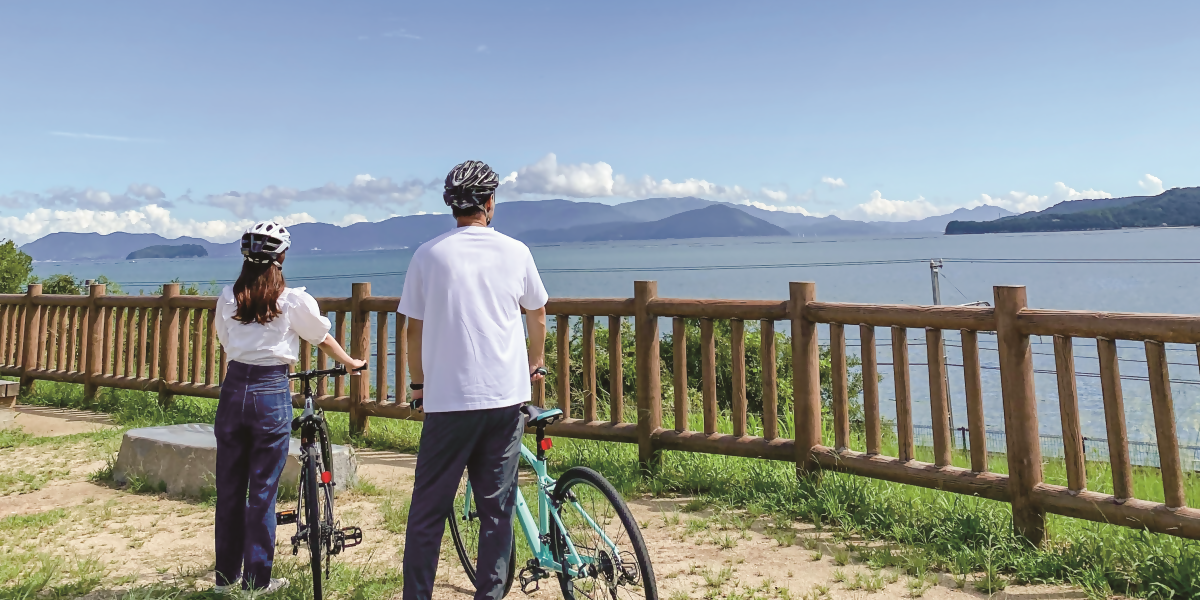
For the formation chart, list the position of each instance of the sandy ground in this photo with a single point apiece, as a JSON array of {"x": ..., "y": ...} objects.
[{"x": 141, "y": 538}]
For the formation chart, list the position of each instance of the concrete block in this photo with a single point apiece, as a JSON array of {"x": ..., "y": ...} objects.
[
  {"x": 182, "y": 458},
  {"x": 8, "y": 392}
]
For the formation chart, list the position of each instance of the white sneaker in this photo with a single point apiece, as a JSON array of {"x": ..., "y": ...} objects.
[
  {"x": 276, "y": 585},
  {"x": 225, "y": 589}
]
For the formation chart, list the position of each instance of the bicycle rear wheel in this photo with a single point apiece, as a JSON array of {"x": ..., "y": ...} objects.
[
  {"x": 312, "y": 516},
  {"x": 464, "y": 530},
  {"x": 606, "y": 537}
]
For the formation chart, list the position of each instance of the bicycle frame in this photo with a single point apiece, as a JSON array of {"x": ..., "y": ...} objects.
[{"x": 537, "y": 531}]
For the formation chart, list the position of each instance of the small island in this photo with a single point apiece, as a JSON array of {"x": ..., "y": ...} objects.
[{"x": 180, "y": 251}]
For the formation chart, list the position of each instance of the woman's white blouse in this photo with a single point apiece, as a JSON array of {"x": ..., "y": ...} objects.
[{"x": 277, "y": 342}]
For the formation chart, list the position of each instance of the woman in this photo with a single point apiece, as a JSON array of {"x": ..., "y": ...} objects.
[{"x": 260, "y": 323}]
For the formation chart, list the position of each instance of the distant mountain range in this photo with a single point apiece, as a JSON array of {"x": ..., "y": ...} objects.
[
  {"x": 1175, "y": 207},
  {"x": 534, "y": 222}
]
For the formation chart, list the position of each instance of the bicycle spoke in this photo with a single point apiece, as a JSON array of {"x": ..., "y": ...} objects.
[{"x": 599, "y": 528}]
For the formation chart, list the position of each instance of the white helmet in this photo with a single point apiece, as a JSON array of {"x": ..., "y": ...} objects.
[{"x": 265, "y": 238}]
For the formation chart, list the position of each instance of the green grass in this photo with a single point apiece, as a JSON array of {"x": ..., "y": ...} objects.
[{"x": 937, "y": 530}]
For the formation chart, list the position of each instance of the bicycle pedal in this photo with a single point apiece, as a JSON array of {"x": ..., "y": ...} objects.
[
  {"x": 351, "y": 536},
  {"x": 285, "y": 517},
  {"x": 534, "y": 575}
]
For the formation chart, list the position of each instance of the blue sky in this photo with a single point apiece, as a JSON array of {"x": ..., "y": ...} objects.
[{"x": 146, "y": 116}]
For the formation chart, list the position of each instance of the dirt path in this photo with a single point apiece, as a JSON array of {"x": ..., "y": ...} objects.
[{"x": 51, "y": 507}]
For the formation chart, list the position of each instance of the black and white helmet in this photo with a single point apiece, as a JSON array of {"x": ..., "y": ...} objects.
[
  {"x": 470, "y": 184},
  {"x": 264, "y": 241}
]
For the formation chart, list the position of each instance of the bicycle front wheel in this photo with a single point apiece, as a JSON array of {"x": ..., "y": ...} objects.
[
  {"x": 612, "y": 558},
  {"x": 464, "y": 530},
  {"x": 312, "y": 516}
]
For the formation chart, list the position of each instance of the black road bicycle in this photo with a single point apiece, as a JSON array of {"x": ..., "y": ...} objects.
[{"x": 313, "y": 516}]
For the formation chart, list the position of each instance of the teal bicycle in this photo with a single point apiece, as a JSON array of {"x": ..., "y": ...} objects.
[{"x": 583, "y": 533}]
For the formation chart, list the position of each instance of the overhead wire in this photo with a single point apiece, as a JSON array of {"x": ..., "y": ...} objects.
[{"x": 675, "y": 268}]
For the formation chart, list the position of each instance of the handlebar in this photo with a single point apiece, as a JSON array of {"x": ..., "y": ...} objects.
[{"x": 314, "y": 373}]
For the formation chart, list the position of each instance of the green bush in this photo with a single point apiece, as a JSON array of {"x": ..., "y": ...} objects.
[{"x": 15, "y": 268}]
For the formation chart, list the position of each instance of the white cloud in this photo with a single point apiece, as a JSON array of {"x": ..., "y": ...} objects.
[
  {"x": 401, "y": 34},
  {"x": 135, "y": 195},
  {"x": 350, "y": 219},
  {"x": 879, "y": 208},
  {"x": 596, "y": 180},
  {"x": 776, "y": 195},
  {"x": 1020, "y": 202},
  {"x": 547, "y": 177},
  {"x": 364, "y": 189},
  {"x": 481, "y": 48},
  {"x": 1151, "y": 185},
  {"x": 93, "y": 136},
  {"x": 774, "y": 208},
  {"x": 833, "y": 183},
  {"x": 647, "y": 187},
  {"x": 293, "y": 219},
  {"x": 148, "y": 219}
]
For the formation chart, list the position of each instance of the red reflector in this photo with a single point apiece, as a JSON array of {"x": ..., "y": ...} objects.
[
  {"x": 547, "y": 443},
  {"x": 326, "y": 477}
]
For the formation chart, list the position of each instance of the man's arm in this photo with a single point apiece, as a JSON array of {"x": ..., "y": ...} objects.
[
  {"x": 415, "y": 369},
  {"x": 536, "y": 321}
]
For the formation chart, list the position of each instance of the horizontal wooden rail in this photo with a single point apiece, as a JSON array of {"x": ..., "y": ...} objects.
[
  {"x": 167, "y": 345},
  {"x": 1177, "y": 329},
  {"x": 334, "y": 304},
  {"x": 1105, "y": 508},
  {"x": 974, "y": 318},
  {"x": 380, "y": 304},
  {"x": 590, "y": 307},
  {"x": 193, "y": 302},
  {"x": 719, "y": 309},
  {"x": 134, "y": 301},
  {"x": 59, "y": 300},
  {"x": 887, "y": 468}
]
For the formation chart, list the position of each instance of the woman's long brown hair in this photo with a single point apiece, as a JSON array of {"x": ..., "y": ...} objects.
[{"x": 257, "y": 292}]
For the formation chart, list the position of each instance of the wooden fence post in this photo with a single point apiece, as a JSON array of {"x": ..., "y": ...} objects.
[
  {"x": 93, "y": 331},
  {"x": 169, "y": 344},
  {"x": 360, "y": 348},
  {"x": 806, "y": 376},
  {"x": 30, "y": 336},
  {"x": 1020, "y": 414},
  {"x": 649, "y": 390}
]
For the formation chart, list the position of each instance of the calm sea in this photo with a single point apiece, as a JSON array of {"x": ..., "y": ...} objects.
[{"x": 681, "y": 268}]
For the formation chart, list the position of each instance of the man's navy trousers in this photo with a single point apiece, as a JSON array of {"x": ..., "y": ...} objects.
[{"x": 487, "y": 444}]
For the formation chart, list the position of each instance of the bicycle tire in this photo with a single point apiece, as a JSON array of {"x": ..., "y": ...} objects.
[
  {"x": 466, "y": 542},
  {"x": 605, "y": 507},
  {"x": 312, "y": 515}
]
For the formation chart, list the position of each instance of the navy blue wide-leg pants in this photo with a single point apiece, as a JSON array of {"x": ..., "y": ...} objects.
[{"x": 253, "y": 426}]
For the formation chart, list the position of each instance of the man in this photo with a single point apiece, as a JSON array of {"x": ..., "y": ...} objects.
[{"x": 463, "y": 295}]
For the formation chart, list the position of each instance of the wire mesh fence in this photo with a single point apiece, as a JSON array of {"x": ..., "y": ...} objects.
[{"x": 1095, "y": 449}]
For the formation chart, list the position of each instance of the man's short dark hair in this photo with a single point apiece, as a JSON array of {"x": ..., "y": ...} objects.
[{"x": 462, "y": 213}]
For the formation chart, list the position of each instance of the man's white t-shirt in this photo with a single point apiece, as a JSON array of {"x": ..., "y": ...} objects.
[{"x": 467, "y": 286}]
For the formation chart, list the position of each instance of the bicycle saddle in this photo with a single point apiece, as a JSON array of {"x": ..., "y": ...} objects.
[{"x": 541, "y": 416}]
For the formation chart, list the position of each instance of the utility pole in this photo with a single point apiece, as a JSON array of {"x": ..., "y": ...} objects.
[{"x": 935, "y": 267}]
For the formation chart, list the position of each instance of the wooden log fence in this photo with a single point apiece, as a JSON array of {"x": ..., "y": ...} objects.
[{"x": 167, "y": 344}]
